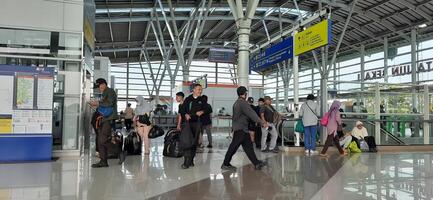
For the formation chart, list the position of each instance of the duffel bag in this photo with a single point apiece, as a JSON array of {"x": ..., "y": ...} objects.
[
  {"x": 133, "y": 144},
  {"x": 172, "y": 144},
  {"x": 155, "y": 132}
]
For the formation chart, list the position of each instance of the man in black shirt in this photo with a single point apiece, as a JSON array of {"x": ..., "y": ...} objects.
[
  {"x": 179, "y": 98},
  {"x": 252, "y": 124},
  {"x": 242, "y": 114},
  {"x": 192, "y": 109},
  {"x": 206, "y": 122}
]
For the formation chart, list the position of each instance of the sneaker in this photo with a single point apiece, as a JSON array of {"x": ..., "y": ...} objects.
[
  {"x": 100, "y": 165},
  {"x": 228, "y": 167},
  {"x": 314, "y": 152},
  {"x": 209, "y": 146},
  {"x": 260, "y": 165},
  {"x": 275, "y": 151},
  {"x": 307, "y": 152},
  {"x": 265, "y": 150}
]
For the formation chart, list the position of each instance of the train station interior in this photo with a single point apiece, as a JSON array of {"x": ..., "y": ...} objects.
[{"x": 216, "y": 99}]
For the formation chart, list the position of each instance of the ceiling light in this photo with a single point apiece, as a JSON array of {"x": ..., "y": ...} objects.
[{"x": 422, "y": 25}]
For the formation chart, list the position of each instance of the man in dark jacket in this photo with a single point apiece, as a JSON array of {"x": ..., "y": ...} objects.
[
  {"x": 242, "y": 113},
  {"x": 108, "y": 101},
  {"x": 193, "y": 109},
  {"x": 206, "y": 122}
]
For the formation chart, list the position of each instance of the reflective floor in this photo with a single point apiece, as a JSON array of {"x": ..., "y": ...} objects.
[{"x": 288, "y": 176}]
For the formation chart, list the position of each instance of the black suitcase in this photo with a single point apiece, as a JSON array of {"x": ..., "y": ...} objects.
[
  {"x": 133, "y": 144},
  {"x": 172, "y": 144}
]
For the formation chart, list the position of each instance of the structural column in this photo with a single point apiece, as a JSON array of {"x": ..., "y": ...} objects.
[
  {"x": 413, "y": 66},
  {"x": 385, "y": 59},
  {"x": 243, "y": 24},
  {"x": 296, "y": 91},
  {"x": 244, "y": 51},
  {"x": 127, "y": 83}
]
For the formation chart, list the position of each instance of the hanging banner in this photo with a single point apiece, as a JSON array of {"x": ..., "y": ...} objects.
[
  {"x": 313, "y": 37},
  {"x": 272, "y": 55}
]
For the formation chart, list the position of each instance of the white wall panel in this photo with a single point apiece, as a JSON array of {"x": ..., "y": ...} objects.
[{"x": 66, "y": 15}]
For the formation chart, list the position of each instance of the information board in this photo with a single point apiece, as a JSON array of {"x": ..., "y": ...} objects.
[
  {"x": 222, "y": 55},
  {"x": 276, "y": 53},
  {"x": 313, "y": 37},
  {"x": 26, "y": 96}
]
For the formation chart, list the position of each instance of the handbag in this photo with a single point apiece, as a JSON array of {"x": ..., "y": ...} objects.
[
  {"x": 186, "y": 137},
  {"x": 144, "y": 119},
  {"x": 105, "y": 110},
  {"x": 325, "y": 119},
  {"x": 353, "y": 147},
  {"x": 299, "y": 126},
  {"x": 155, "y": 132}
]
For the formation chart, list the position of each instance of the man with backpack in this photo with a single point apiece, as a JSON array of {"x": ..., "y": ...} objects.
[
  {"x": 107, "y": 108},
  {"x": 272, "y": 117}
]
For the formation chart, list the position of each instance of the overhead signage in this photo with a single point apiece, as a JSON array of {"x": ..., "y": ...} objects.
[
  {"x": 313, "y": 37},
  {"x": 398, "y": 70},
  {"x": 222, "y": 55},
  {"x": 272, "y": 55}
]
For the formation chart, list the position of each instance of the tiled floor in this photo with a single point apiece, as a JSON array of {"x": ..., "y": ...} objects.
[{"x": 288, "y": 176}]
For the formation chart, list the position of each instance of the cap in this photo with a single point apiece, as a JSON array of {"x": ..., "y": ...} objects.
[
  {"x": 241, "y": 90},
  {"x": 98, "y": 82}
]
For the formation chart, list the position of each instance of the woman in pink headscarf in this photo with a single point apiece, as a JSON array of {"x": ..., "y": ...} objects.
[{"x": 334, "y": 122}]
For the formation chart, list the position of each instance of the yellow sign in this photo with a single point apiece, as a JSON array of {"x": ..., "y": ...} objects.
[
  {"x": 5, "y": 125},
  {"x": 313, "y": 37},
  {"x": 88, "y": 34}
]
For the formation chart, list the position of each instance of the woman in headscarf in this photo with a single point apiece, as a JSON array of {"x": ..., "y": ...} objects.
[
  {"x": 143, "y": 122},
  {"x": 360, "y": 133},
  {"x": 334, "y": 122}
]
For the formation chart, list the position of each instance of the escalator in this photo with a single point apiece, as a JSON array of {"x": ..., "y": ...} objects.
[{"x": 384, "y": 134}]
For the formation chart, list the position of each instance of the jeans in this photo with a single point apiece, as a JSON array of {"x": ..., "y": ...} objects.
[
  {"x": 310, "y": 137},
  {"x": 274, "y": 136}
]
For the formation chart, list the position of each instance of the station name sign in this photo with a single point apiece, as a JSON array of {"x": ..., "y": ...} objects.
[{"x": 398, "y": 70}]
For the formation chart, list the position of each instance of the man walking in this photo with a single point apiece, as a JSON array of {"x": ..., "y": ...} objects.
[{"x": 242, "y": 113}]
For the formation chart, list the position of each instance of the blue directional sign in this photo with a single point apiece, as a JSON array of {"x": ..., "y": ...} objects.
[{"x": 272, "y": 55}]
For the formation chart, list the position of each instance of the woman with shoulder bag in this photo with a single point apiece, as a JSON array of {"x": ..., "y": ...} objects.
[
  {"x": 308, "y": 113},
  {"x": 142, "y": 122},
  {"x": 333, "y": 125}
]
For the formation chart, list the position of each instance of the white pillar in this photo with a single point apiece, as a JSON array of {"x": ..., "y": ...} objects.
[
  {"x": 377, "y": 113},
  {"x": 385, "y": 58},
  {"x": 413, "y": 66},
  {"x": 426, "y": 112},
  {"x": 244, "y": 52},
  {"x": 296, "y": 91}
]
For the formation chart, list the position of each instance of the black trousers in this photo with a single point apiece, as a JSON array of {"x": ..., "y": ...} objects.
[
  {"x": 371, "y": 142},
  {"x": 241, "y": 138},
  {"x": 128, "y": 124},
  {"x": 104, "y": 134},
  {"x": 329, "y": 140},
  {"x": 258, "y": 136},
  {"x": 189, "y": 154}
]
